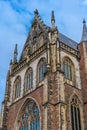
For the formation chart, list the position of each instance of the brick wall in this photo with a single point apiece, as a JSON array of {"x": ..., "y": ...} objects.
[
  {"x": 14, "y": 109},
  {"x": 70, "y": 91},
  {"x": 83, "y": 72}
]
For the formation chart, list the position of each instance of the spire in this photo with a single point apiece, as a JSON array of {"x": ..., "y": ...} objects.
[
  {"x": 52, "y": 20},
  {"x": 84, "y": 32},
  {"x": 15, "y": 54}
]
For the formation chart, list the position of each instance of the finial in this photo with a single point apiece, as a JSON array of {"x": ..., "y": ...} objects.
[
  {"x": 36, "y": 12},
  {"x": 84, "y": 24},
  {"x": 15, "y": 50},
  {"x": 53, "y": 19},
  {"x": 84, "y": 21},
  {"x": 15, "y": 54}
]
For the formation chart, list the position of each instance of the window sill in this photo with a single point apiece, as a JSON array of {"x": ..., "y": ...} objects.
[
  {"x": 68, "y": 81},
  {"x": 15, "y": 100},
  {"x": 28, "y": 91},
  {"x": 40, "y": 83}
]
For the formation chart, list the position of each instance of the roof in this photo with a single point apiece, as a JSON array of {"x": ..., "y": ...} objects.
[
  {"x": 64, "y": 39},
  {"x": 37, "y": 20}
]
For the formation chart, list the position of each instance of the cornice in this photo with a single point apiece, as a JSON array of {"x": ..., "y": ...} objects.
[
  {"x": 69, "y": 50},
  {"x": 29, "y": 59}
]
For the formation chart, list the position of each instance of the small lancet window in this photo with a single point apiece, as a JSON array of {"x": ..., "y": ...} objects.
[
  {"x": 17, "y": 88},
  {"x": 41, "y": 69},
  {"x": 75, "y": 114},
  {"x": 68, "y": 69},
  {"x": 28, "y": 80}
]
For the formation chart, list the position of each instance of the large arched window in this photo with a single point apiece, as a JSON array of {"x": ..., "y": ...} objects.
[
  {"x": 17, "y": 87},
  {"x": 41, "y": 69},
  {"x": 28, "y": 81},
  {"x": 30, "y": 119},
  {"x": 75, "y": 114},
  {"x": 68, "y": 69}
]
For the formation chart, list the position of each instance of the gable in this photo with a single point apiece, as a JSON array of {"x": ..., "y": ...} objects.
[{"x": 37, "y": 36}]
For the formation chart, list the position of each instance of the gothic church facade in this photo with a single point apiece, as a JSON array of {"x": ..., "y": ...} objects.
[{"x": 46, "y": 89}]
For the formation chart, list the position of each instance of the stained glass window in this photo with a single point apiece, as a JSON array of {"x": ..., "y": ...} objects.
[
  {"x": 30, "y": 119},
  {"x": 75, "y": 115}
]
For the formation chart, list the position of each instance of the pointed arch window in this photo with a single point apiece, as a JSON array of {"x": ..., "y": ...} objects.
[
  {"x": 30, "y": 119},
  {"x": 68, "y": 69},
  {"x": 41, "y": 69},
  {"x": 28, "y": 85},
  {"x": 75, "y": 114},
  {"x": 17, "y": 87}
]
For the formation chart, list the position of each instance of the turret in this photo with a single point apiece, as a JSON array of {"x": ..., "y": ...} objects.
[
  {"x": 53, "y": 53},
  {"x": 83, "y": 67},
  {"x": 7, "y": 86},
  {"x": 5, "y": 102}
]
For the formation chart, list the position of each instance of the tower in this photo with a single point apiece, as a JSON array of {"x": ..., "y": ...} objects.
[{"x": 83, "y": 68}]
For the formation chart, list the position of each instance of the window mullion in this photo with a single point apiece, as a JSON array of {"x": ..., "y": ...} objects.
[
  {"x": 27, "y": 83},
  {"x": 17, "y": 91},
  {"x": 42, "y": 71},
  {"x": 68, "y": 72},
  {"x": 30, "y": 81}
]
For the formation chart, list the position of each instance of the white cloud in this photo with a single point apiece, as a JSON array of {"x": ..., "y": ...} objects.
[
  {"x": 16, "y": 17},
  {"x": 85, "y": 2}
]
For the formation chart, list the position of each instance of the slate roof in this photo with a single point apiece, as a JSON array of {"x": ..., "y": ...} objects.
[{"x": 64, "y": 39}]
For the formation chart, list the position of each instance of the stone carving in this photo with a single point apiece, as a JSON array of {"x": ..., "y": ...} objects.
[{"x": 54, "y": 37}]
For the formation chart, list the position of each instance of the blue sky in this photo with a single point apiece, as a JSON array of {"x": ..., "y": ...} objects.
[{"x": 16, "y": 17}]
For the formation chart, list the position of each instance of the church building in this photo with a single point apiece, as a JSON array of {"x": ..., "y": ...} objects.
[{"x": 46, "y": 89}]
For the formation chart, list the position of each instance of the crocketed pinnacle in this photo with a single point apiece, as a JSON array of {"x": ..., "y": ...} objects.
[
  {"x": 84, "y": 32},
  {"x": 15, "y": 54},
  {"x": 52, "y": 19}
]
